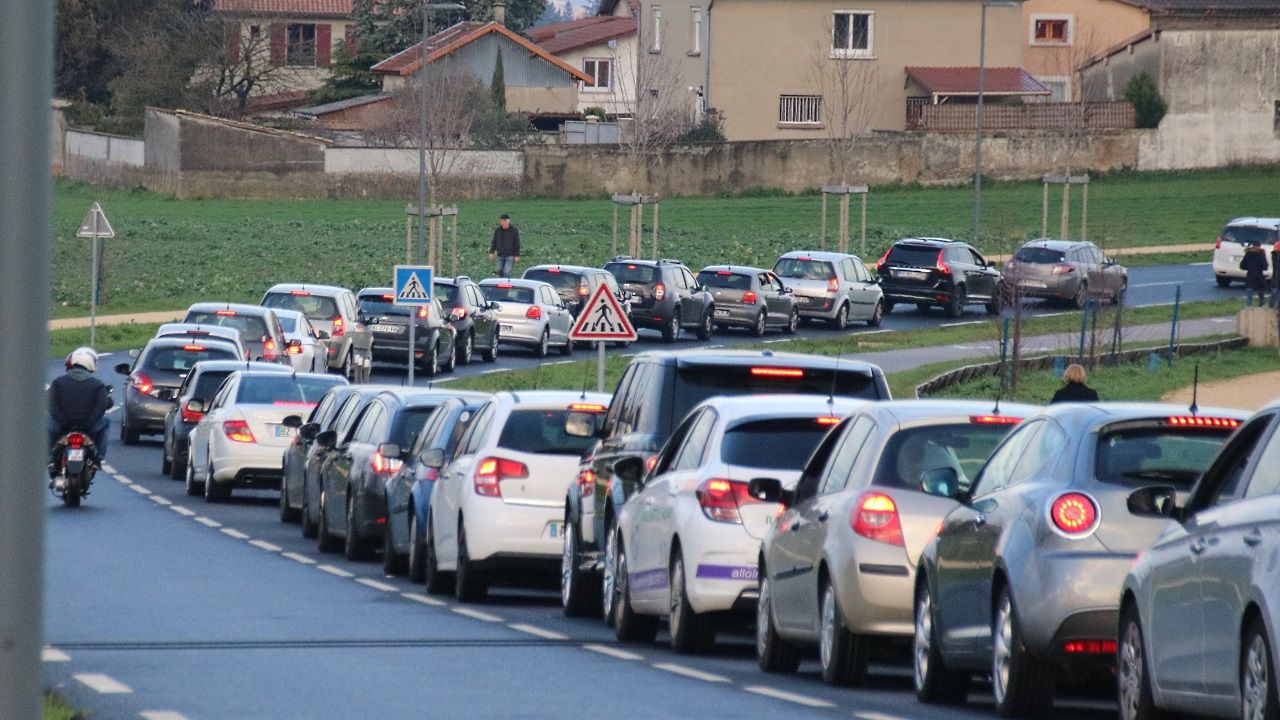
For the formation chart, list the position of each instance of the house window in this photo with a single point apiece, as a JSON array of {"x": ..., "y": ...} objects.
[
  {"x": 1059, "y": 88},
  {"x": 601, "y": 72},
  {"x": 799, "y": 109},
  {"x": 1050, "y": 30},
  {"x": 300, "y": 45},
  {"x": 851, "y": 34},
  {"x": 695, "y": 31},
  {"x": 657, "y": 29},
  {"x": 254, "y": 30}
]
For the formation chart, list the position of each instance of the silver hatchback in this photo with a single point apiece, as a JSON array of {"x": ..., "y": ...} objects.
[
  {"x": 834, "y": 287},
  {"x": 530, "y": 313}
]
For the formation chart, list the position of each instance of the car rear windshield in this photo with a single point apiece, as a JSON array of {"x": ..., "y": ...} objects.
[
  {"x": 1245, "y": 234},
  {"x": 804, "y": 269},
  {"x": 963, "y": 447},
  {"x": 913, "y": 256},
  {"x": 182, "y": 358},
  {"x": 445, "y": 293},
  {"x": 541, "y": 432},
  {"x": 724, "y": 279},
  {"x": 316, "y": 307},
  {"x": 633, "y": 273},
  {"x": 208, "y": 383},
  {"x": 410, "y": 423},
  {"x": 283, "y": 390},
  {"x": 252, "y": 328},
  {"x": 1039, "y": 255},
  {"x": 561, "y": 280},
  {"x": 1160, "y": 455},
  {"x": 287, "y": 324},
  {"x": 698, "y": 382},
  {"x": 508, "y": 293},
  {"x": 380, "y": 305},
  {"x": 774, "y": 444}
]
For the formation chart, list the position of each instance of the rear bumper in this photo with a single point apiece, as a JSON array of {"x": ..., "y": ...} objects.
[
  {"x": 1028, "y": 287},
  {"x": 817, "y": 306},
  {"x": 875, "y": 586},
  {"x": 736, "y": 315},
  {"x": 497, "y": 528},
  {"x": 1067, "y": 594},
  {"x": 722, "y": 569},
  {"x": 144, "y": 413},
  {"x": 251, "y": 465},
  {"x": 917, "y": 293},
  {"x": 520, "y": 332}
]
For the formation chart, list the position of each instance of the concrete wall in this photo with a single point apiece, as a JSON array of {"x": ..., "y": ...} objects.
[
  {"x": 482, "y": 163},
  {"x": 99, "y": 147}
]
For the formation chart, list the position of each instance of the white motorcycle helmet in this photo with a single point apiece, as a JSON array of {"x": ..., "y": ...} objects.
[{"x": 85, "y": 357}]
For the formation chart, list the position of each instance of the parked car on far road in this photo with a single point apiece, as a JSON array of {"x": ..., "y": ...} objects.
[
  {"x": 1065, "y": 270},
  {"x": 531, "y": 314},
  {"x": 834, "y": 287},
  {"x": 1235, "y": 238}
]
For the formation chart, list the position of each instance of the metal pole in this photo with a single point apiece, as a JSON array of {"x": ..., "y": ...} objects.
[
  {"x": 613, "y": 245},
  {"x": 413, "y": 341},
  {"x": 422, "y": 151},
  {"x": 1084, "y": 327},
  {"x": 822, "y": 241},
  {"x": 655, "y": 230},
  {"x": 1044, "y": 211},
  {"x": 1065, "y": 230},
  {"x": 93, "y": 291},
  {"x": 862, "y": 244},
  {"x": 453, "y": 257},
  {"x": 26, "y": 80},
  {"x": 1173, "y": 327},
  {"x": 977, "y": 141},
  {"x": 1084, "y": 213},
  {"x": 600, "y": 366}
]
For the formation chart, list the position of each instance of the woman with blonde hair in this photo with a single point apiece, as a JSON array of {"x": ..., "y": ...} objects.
[{"x": 1074, "y": 388}]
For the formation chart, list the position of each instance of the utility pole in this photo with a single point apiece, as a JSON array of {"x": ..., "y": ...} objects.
[
  {"x": 26, "y": 79},
  {"x": 982, "y": 88}
]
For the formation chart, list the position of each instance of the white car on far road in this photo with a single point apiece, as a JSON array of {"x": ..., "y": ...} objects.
[
  {"x": 311, "y": 353},
  {"x": 247, "y": 426},
  {"x": 1235, "y": 238},
  {"x": 499, "y": 503}
]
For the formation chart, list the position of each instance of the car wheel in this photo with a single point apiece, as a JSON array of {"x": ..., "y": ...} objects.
[
  {"x": 470, "y": 584},
  {"x": 671, "y": 328},
  {"x": 773, "y": 654},
  {"x": 762, "y": 321},
  {"x": 466, "y": 349},
  {"x": 451, "y": 360},
  {"x": 213, "y": 492},
  {"x": 876, "y": 315},
  {"x": 431, "y": 363},
  {"x": 1223, "y": 282},
  {"x": 327, "y": 542},
  {"x": 354, "y": 547},
  {"x": 417, "y": 554},
  {"x": 923, "y": 305},
  {"x": 1081, "y": 296},
  {"x": 609, "y": 578},
  {"x": 127, "y": 436},
  {"x": 934, "y": 681},
  {"x": 628, "y": 625},
  {"x": 843, "y": 654},
  {"x": 690, "y": 632},
  {"x": 166, "y": 462},
  {"x": 177, "y": 470},
  {"x": 997, "y": 301},
  {"x": 309, "y": 527},
  {"x": 287, "y": 514},
  {"x": 1021, "y": 684},
  {"x": 437, "y": 581},
  {"x": 705, "y": 329},
  {"x": 349, "y": 367},
  {"x": 575, "y": 586},
  {"x": 544, "y": 343},
  {"x": 567, "y": 348},
  {"x": 491, "y": 354},
  {"x": 1257, "y": 689},
  {"x": 792, "y": 323},
  {"x": 1133, "y": 683},
  {"x": 393, "y": 563},
  {"x": 194, "y": 488},
  {"x": 841, "y": 320},
  {"x": 887, "y": 306},
  {"x": 955, "y": 306}
]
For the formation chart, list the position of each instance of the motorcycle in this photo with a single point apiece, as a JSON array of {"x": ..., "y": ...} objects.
[{"x": 73, "y": 468}]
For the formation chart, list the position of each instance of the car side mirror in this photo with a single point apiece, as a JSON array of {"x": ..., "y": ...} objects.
[
  {"x": 581, "y": 424},
  {"x": 309, "y": 431},
  {"x": 122, "y": 368},
  {"x": 322, "y": 335},
  {"x": 629, "y": 469},
  {"x": 943, "y": 482},
  {"x": 432, "y": 457},
  {"x": 390, "y": 450},
  {"x": 1154, "y": 501},
  {"x": 195, "y": 405},
  {"x": 327, "y": 439},
  {"x": 292, "y": 421},
  {"x": 769, "y": 490},
  {"x": 493, "y": 306}
]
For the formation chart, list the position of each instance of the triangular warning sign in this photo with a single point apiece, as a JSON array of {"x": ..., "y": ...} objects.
[
  {"x": 413, "y": 290},
  {"x": 95, "y": 224},
  {"x": 603, "y": 318}
]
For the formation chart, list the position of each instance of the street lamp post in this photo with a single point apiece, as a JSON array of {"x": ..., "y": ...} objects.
[
  {"x": 420, "y": 248},
  {"x": 982, "y": 86}
]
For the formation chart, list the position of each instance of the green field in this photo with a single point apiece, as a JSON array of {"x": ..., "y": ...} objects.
[
  {"x": 171, "y": 252},
  {"x": 55, "y": 708}
]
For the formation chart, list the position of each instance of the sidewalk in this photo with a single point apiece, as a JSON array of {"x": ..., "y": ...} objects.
[{"x": 162, "y": 316}]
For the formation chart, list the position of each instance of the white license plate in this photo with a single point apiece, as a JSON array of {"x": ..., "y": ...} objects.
[
  {"x": 75, "y": 454},
  {"x": 507, "y": 328},
  {"x": 722, "y": 312},
  {"x": 1032, "y": 283},
  {"x": 388, "y": 329},
  {"x": 284, "y": 431},
  {"x": 913, "y": 274},
  {"x": 555, "y": 530}
]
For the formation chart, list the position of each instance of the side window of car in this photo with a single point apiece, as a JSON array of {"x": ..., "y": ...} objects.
[
  {"x": 1223, "y": 482},
  {"x": 846, "y": 456},
  {"x": 995, "y": 474},
  {"x": 695, "y": 442},
  {"x": 641, "y": 414},
  {"x": 1045, "y": 447},
  {"x": 363, "y": 430},
  {"x": 613, "y": 418},
  {"x": 675, "y": 445},
  {"x": 321, "y": 411},
  {"x": 429, "y": 429},
  {"x": 476, "y": 430},
  {"x": 1265, "y": 478},
  {"x": 220, "y": 398},
  {"x": 811, "y": 475},
  {"x": 847, "y": 270}
]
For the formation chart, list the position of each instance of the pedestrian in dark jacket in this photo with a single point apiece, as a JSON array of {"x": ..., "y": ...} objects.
[
  {"x": 1074, "y": 389},
  {"x": 1254, "y": 265},
  {"x": 505, "y": 246},
  {"x": 1275, "y": 276}
]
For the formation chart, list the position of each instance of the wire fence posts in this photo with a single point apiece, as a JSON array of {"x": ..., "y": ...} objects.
[
  {"x": 435, "y": 235},
  {"x": 635, "y": 205},
  {"x": 1066, "y": 181},
  {"x": 843, "y": 192}
]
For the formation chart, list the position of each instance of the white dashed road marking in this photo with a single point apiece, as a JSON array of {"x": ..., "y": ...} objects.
[
  {"x": 232, "y": 532},
  {"x": 376, "y": 585},
  {"x": 334, "y": 571},
  {"x": 264, "y": 545},
  {"x": 872, "y": 715},
  {"x": 161, "y": 715},
  {"x": 208, "y": 522},
  {"x": 537, "y": 631},
  {"x": 423, "y": 599},
  {"x": 1158, "y": 284},
  {"x": 491, "y": 372},
  {"x": 613, "y": 652},
  {"x": 789, "y": 697},
  {"x": 691, "y": 672},
  {"x": 160, "y": 501},
  {"x": 139, "y": 489},
  {"x": 966, "y": 322},
  {"x": 103, "y": 684},
  {"x": 52, "y": 654},
  {"x": 124, "y": 479},
  {"x": 181, "y": 510},
  {"x": 299, "y": 558},
  {"x": 477, "y": 615},
  {"x": 105, "y": 466}
]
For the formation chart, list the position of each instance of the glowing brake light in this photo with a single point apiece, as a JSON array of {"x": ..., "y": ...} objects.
[
  {"x": 777, "y": 372},
  {"x": 875, "y": 517},
  {"x": 300, "y": 293},
  {"x": 384, "y": 465},
  {"x": 994, "y": 420},
  {"x": 75, "y": 441},
  {"x": 749, "y": 296},
  {"x": 582, "y": 290},
  {"x": 339, "y": 326},
  {"x": 587, "y": 407},
  {"x": 587, "y": 482},
  {"x": 833, "y": 285},
  {"x": 190, "y": 416},
  {"x": 659, "y": 291},
  {"x": 883, "y": 259},
  {"x": 941, "y": 266},
  {"x": 723, "y": 273},
  {"x": 504, "y": 286},
  {"x": 422, "y": 311},
  {"x": 491, "y": 471},
  {"x": 388, "y": 298},
  {"x": 1218, "y": 245},
  {"x": 269, "y": 350},
  {"x": 1202, "y": 422},
  {"x": 193, "y": 348},
  {"x": 650, "y": 463},
  {"x": 295, "y": 349},
  {"x": 225, "y": 313},
  {"x": 554, "y": 271},
  {"x": 458, "y": 313},
  {"x": 1074, "y": 514},
  {"x": 534, "y": 313},
  {"x": 238, "y": 431},
  {"x": 827, "y": 420},
  {"x": 142, "y": 383},
  {"x": 1063, "y": 269},
  {"x": 1089, "y": 647},
  {"x": 720, "y": 499}
]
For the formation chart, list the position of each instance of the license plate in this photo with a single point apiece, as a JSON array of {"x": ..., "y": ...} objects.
[
  {"x": 75, "y": 454},
  {"x": 507, "y": 328},
  {"x": 913, "y": 274},
  {"x": 722, "y": 312},
  {"x": 555, "y": 530},
  {"x": 388, "y": 329},
  {"x": 1032, "y": 283},
  {"x": 284, "y": 431}
]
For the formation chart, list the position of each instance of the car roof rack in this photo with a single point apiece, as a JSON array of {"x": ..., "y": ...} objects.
[
  {"x": 620, "y": 258},
  {"x": 669, "y": 261}
]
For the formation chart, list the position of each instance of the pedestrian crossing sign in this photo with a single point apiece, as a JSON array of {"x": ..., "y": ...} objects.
[
  {"x": 413, "y": 284},
  {"x": 603, "y": 318}
]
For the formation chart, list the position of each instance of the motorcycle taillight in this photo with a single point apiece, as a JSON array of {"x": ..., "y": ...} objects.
[{"x": 75, "y": 441}]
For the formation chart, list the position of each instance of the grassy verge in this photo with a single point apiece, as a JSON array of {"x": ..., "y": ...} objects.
[
  {"x": 110, "y": 337},
  {"x": 55, "y": 708},
  {"x": 170, "y": 252}
]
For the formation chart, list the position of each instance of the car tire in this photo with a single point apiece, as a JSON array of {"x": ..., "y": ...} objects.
[
  {"x": 671, "y": 328},
  {"x": 349, "y": 367},
  {"x": 354, "y": 547},
  {"x": 166, "y": 462},
  {"x": 1081, "y": 296},
  {"x": 793, "y": 323},
  {"x": 430, "y": 365},
  {"x": 628, "y": 625},
  {"x": 707, "y": 326},
  {"x": 325, "y": 539},
  {"x": 761, "y": 323},
  {"x": 997, "y": 301},
  {"x": 959, "y": 298},
  {"x": 127, "y": 436},
  {"x": 177, "y": 470},
  {"x": 773, "y": 654},
  {"x": 1133, "y": 678},
  {"x": 491, "y": 354},
  {"x": 842, "y": 654},
  {"x": 576, "y": 587},
  {"x": 469, "y": 583},
  {"x": 887, "y": 306},
  {"x": 194, "y": 489},
  {"x": 213, "y": 492},
  {"x": 841, "y": 320},
  {"x": 544, "y": 344},
  {"x": 1223, "y": 282},
  {"x": 309, "y": 527},
  {"x": 609, "y": 577},
  {"x": 436, "y": 580},
  {"x": 923, "y": 305},
  {"x": 567, "y": 348},
  {"x": 287, "y": 514},
  {"x": 417, "y": 566},
  {"x": 1257, "y": 674},
  {"x": 393, "y": 563},
  {"x": 451, "y": 363},
  {"x": 690, "y": 632},
  {"x": 934, "y": 681},
  {"x": 876, "y": 315},
  {"x": 467, "y": 348},
  {"x": 1021, "y": 684}
]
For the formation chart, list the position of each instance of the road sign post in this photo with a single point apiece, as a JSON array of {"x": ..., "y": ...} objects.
[
  {"x": 95, "y": 226},
  {"x": 602, "y": 319},
  {"x": 414, "y": 287}
]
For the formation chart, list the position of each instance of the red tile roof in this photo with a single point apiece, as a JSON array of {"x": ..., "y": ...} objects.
[
  {"x": 964, "y": 81},
  {"x": 291, "y": 8},
  {"x": 445, "y": 42},
  {"x": 566, "y": 36}
]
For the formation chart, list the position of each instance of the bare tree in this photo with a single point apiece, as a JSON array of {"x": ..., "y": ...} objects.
[
  {"x": 847, "y": 88},
  {"x": 662, "y": 110}
]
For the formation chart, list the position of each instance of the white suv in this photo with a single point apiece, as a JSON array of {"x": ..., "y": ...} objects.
[{"x": 1235, "y": 238}]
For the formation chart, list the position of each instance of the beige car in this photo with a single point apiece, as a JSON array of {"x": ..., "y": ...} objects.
[{"x": 837, "y": 569}]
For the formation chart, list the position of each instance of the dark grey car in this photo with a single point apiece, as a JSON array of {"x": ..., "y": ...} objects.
[
  {"x": 1065, "y": 270},
  {"x": 750, "y": 298},
  {"x": 664, "y": 296},
  {"x": 1023, "y": 578},
  {"x": 434, "y": 338},
  {"x": 473, "y": 318},
  {"x": 154, "y": 377}
]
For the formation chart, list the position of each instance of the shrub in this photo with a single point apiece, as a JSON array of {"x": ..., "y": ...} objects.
[{"x": 1148, "y": 107}]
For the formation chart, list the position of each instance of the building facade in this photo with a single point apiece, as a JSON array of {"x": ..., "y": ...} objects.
[
  {"x": 603, "y": 47},
  {"x": 300, "y": 36},
  {"x": 1060, "y": 35}
]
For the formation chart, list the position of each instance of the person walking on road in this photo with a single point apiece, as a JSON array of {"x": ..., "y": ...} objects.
[
  {"x": 1254, "y": 265},
  {"x": 1074, "y": 388},
  {"x": 505, "y": 246},
  {"x": 1275, "y": 276}
]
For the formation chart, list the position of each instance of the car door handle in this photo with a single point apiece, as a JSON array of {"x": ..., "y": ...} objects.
[
  {"x": 981, "y": 520},
  {"x": 796, "y": 526},
  {"x": 1198, "y": 546},
  {"x": 1253, "y": 538},
  {"x": 824, "y": 516}
]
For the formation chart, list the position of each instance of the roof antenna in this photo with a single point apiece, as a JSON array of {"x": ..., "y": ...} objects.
[
  {"x": 831, "y": 395},
  {"x": 999, "y": 390},
  {"x": 1195, "y": 390}
]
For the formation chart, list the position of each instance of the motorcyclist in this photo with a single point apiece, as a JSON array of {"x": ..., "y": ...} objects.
[{"x": 79, "y": 401}]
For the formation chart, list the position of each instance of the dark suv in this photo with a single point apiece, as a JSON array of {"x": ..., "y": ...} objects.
[
  {"x": 471, "y": 315},
  {"x": 573, "y": 283},
  {"x": 664, "y": 296},
  {"x": 656, "y": 391},
  {"x": 937, "y": 271}
]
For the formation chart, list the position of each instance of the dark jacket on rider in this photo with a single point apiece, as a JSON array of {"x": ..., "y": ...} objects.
[{"x": 78, "y": 400}]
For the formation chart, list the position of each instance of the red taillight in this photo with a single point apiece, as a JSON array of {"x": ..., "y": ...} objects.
[
  {"x": 659, "y": 291},
  {"x": 587, "y": 482},
  {"x": 504, "y": 286},
  {"x": 75, "y": 441},
  {"x": 193, "y": 348},
  {"x": 295, "y": 349},
  {"x": 1074, "y": 514},
  {"x": 583, "y": 290},
  {"x": 650, "y": 463},
  {"x": 458, "y": 313},
  {"x": 188, "y": 416},
  {"x": 339, "y": 326},
  {"x": 941, "y": 266},
  {"x": 142, "y": 383},
  {"x": 1218, "y": 244},
  {"x": 587, "y": 407},
  {"x": 1089, "y": 647},
  {"x": 1202, "y": 422},
  {"x": 238, "y": 431},
  {"x": 388, "y": 298},
  {"x": 422, "y": 312},
  {"x": 749, "y": 296},
  {"x": 1063, "y": 269},
  {"x": 491, "y": 471},
  {"x": 294, "y": 403},
  {"x": 827, "y": 420},
  {"x": 269, "y": 350},
  {"x": 300, "y": 293},
  {"x": 875, "y": 517},
  {"x": 534, "y": 313},
  {"x": 385, "y": 465},
  {"x": 994, "y": 420},
  {"x": 720, "y": 499},
  {"x": 883, "y": 259},
  {"x": 833, "y": 285},
  {"x": 225, "y": 313},
  {"x": 776, "y": 372}
]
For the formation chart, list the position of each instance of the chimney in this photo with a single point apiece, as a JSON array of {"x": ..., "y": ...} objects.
[{"x": 500, "y": 12}]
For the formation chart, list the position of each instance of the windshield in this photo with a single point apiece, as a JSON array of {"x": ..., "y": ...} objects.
[
  {"x": 1039, "y": 255},
  {"x": 507, "y": 293},
  {"x": 251, "y": 327},
  {"x": 963, "y": 447},
  {"x": 316, "y": 307},
  {"x": 913, "y": 256},
  {"x": 804, "y": 269},
  {"x": 773, "y": 444},
  {"x": 724, "y": 279},
  {"x": 1156, "y": 455},
  {"x": 562, "y": 281},
  {"x": 1244, "y": 235},
  {"x": 632, "y": 273},
  {"x": 283, "y": 390},
  {"x": 181, "y": 359},
  {"x": 541, "y": 432},
  {"x": 411, "y": 422}
]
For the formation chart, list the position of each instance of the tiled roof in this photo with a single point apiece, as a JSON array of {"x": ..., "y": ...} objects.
[
  {"x": 964, "y": 81},
  {"x": 566, "y": 36},
  {"x": 1209, "y": 7},
  {"x": 338, "y": 105},
  {"x": 291, "y": 8},
  {"x": 445, "y": 42}
]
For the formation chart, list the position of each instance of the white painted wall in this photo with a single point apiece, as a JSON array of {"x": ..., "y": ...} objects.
[
  {"x": 404, "y": 161},
  {"x": 97, "y": 147},
  {"x": 620, "y": 98}
]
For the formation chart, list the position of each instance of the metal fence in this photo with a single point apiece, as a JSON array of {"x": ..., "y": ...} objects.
[{"x": 1028, "y": 116}]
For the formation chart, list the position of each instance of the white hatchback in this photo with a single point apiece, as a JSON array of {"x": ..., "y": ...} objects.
[
  {"x": 308, "y": 348},
  {"x": 688, "y": 542},
  {"x": 499, "y": 503},
  {"x": 1235, "y": 238}
]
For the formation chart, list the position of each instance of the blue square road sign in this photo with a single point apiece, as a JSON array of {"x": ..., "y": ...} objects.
[{"x": 413, "y": 284}]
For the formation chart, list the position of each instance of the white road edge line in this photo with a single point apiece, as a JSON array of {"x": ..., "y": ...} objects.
[
  {"x": 691, "y": 672},
  {"x": 107, "y": 468},
  {"x": 789, "y": 697},
  {"x": 139, "y": 489},
  {"x": 966, "y": 322},
  {"x": 298, "y": 558},
  {"x": 102, "y": 684},
  {"x": 232, "y": 532},
  {"x": 537, "y": 631},
  {"x": 181, "y": 510},
  {"x": 161, "y": 501},
  {"x": 423, "y": 599},
  {"x": 367, "y": 582},
  {"x": 612, "y": 652},
  {"x": 53, "y": 654},
  {"x": 477, "y": 615},
  {"x": 873, "y": 715},
  {"x": 161, "y": 715},
  {"x": 208, "y": 522},
  {"x": 264, "y": 545},
  {"x": 334, "y": 571}
]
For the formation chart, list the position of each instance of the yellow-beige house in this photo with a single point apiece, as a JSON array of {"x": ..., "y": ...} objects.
[{"x": 1060, "y": 35}]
